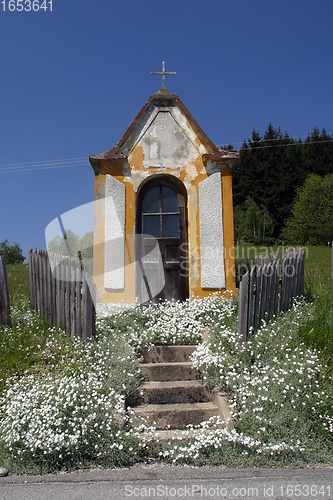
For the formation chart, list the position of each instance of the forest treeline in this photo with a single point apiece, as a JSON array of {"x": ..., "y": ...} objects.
[{"x": 269, "y": 180}]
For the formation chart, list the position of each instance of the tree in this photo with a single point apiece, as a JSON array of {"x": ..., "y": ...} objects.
[
  {"x": 253, "y": 223},
  {"x": 312, "y": 215},
  {"x": 272, "y": 167},
  {"x": 13, "y": 253},
  {"x": 228, "y": 147},
  {"x": 318, "y": 148},
  {"x": 269, "y": 174},
  {"x": 86, "y": 245},
  {"x": 67, "y": 245},
  {"x": 72, "y": 245}
]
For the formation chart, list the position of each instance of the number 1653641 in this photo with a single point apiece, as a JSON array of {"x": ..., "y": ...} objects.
[{"x": 26, "y": 5}]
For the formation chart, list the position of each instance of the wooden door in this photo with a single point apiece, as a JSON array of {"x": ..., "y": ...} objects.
[{"x": 161, "y": 218}]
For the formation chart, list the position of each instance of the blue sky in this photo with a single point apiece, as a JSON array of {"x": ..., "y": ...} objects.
[{"x": 72, "y": 80}]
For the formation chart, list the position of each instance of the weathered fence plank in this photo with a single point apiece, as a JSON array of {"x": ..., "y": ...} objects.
[
  {"x": 57, "y": 271},
  {"x": 284, "y": 285},
  {"x": 72, "y": 300},
  {"x": 243, "y": 308},
  {"x": 63, "y": 295},
  {"x": 48, "y": 292},
  {"x": 38, "y": 281},
  {"x": 31, "y": 279},
  {"x": 270, "y": 304},
  {"x": 84, "y": 308},
  {"x": 78, "y": 302},
  {"x": 53, "y": 283},
  {"x": 251, "y": 296},
  {"x": 68, "y": 297},
  {"x": 45, "y": 311},
  {"x": 262, "y": 309},
  {"x": 276, "y": 288},
  {"x": 257, "y": 299},
  {"x": 4, "y": 293}
]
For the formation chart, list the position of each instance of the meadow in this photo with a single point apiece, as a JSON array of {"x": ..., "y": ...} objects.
[{"x": 62, "y": 402}]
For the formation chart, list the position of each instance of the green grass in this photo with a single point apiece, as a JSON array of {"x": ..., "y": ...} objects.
[
  {"x": 18, "y": 282},
  {"x": 318, "y": 332},
  {"x": 21, "y": 345}
]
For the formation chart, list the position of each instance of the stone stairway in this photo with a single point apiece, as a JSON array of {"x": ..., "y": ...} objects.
[{"x": 173, "y": 393}]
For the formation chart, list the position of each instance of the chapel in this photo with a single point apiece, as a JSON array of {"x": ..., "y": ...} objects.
[{"x": 163, "y": 213}]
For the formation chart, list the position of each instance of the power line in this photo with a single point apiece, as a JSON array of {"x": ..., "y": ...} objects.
[
  {"x": 289, "y": 144},
  {"x": 9, "y": 170},
  {"x": 42, "y": 163},
  {"x": 262, "y": 139},
  {"x": 49, "y": 164}
]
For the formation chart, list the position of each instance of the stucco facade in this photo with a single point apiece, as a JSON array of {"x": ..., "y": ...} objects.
[{"x": 163, "y": 142}]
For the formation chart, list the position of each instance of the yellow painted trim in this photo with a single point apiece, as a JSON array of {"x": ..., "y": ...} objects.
[{"x": 228, "y": 226}]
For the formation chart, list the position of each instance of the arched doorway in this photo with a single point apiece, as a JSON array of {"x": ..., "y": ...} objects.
[{"x": 161, "y": 215}]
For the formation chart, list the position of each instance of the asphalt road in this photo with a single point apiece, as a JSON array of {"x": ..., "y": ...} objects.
[{"x": 164, "y": 481}]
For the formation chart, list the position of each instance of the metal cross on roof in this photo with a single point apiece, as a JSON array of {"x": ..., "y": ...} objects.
[{"x": 163, "y": 73}]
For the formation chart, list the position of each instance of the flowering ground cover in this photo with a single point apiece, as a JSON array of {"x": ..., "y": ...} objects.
[
  {"x": 67, "y": 409},
  {"x": 64, "y": 408},
  {"x": 281, "y": 395}
]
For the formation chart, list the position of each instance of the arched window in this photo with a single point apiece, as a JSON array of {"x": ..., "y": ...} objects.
[{"x": 161, "y": 214}]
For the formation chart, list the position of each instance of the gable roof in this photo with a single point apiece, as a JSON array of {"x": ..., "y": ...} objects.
[{"x": 160, "y": 99}]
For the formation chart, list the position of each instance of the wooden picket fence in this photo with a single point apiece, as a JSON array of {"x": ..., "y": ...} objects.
[
  {"x": 4, "y": 293},
  {"x": 62, "y": 293},
  {"x": 269, "y": 288}
]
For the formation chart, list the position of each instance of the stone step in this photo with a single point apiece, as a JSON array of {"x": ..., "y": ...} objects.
[
  {"x": 168, "y": 353},
  {"x": 177, "y": 434},
  {"x": 175, "y": 416},
  {"x": 178, "y": 391},
  {"x": 164, "y": 372},
  {"x": 174, "y": 434}
]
